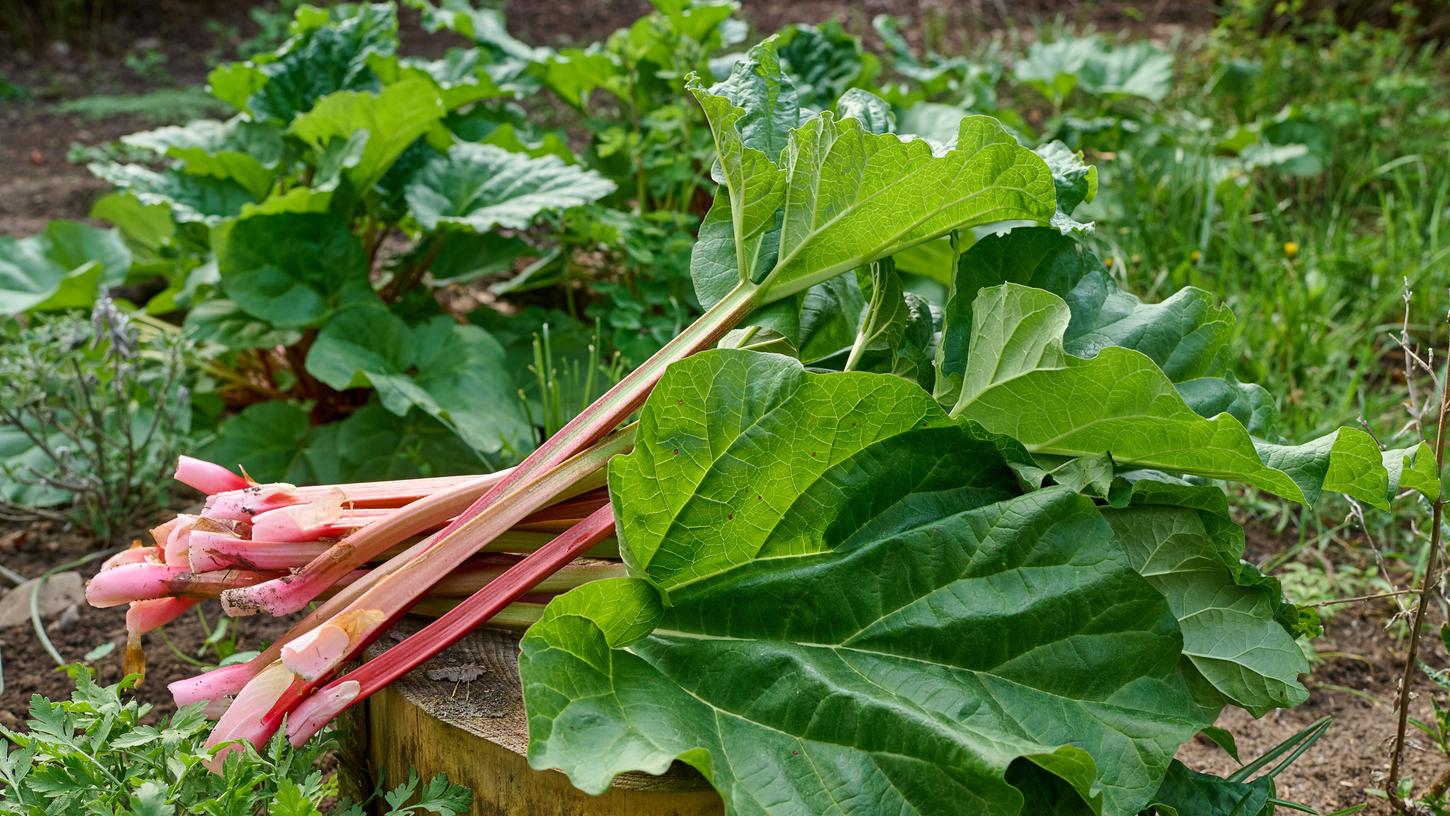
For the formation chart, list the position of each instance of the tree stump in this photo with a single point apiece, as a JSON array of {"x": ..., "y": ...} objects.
[{"x": 462, "y": 714}]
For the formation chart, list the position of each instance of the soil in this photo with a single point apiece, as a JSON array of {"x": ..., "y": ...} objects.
[
  {"x": 30, "y": 550},
  {"x": 1354, "y": 682}
]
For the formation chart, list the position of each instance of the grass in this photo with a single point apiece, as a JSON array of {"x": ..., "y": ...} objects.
[{"x": 161, "y": 107}]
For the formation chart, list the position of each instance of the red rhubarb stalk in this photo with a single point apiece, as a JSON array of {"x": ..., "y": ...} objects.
[
  {"x": 586, "y": 429},
  {"x": 345, "y": 634},
  {"x": 359, "y": 684}
]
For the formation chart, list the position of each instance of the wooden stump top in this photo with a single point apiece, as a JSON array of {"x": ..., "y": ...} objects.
[{"x": 462, "y": 714}]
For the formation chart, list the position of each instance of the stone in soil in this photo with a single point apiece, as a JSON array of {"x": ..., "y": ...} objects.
[{"x": 60, "y": 592}]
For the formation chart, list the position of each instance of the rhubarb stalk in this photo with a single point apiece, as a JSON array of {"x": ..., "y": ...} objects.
[
  {"x": 309, "y": 658},
  {"x": 360, "y": 683}
]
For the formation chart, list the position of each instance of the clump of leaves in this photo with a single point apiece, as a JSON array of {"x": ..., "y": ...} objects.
[
  {"x": 100, "y": 753},
  {"x": 302, "y": 243},
  {"x": 92, "y": 416}
]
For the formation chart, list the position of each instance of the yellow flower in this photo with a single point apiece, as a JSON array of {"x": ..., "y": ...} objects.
[
  {"x": 1195, "y": 256},
  {"x": 1291, "y": 248},
  {"x": 1108, "y": 261}
]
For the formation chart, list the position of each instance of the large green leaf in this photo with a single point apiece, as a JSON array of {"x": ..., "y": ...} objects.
[
  {"x": 191, "y": 197},
  {"x": 391, "y": 120},
  {"x": 1137, "y": 69},
  {"x": 484, "y": 26},
  {"x": 1231, "y": 633},
  {"x": 852, "y": 196},
  {"x": 1056, "y": 68},
  {"x": 480, "y": 187},
  {"x": 1187, "y": 792},
  {"x": 459, "y": 76},
  {"x": 1052, "y": 68},
  {"x": 1186, "y": 335},
  {"x": 838, "y": 195},
  {"x": 751, "y": 115},
  {"x": 1020, "y": 381},
  {"x": 457, "y": 374},
  {"x": 246, "y": 152},
  {"x": 838, "y": 608},
  {"x": 315, "y": 63},
  {"x": 826, "y": 61},
  {"x": 221, "y": 321},
  {"x": 376, "y": 444},
  {"x": 267, "y": 440},
  {"x": 293, "y": 269},
  {"x": 64, "y": 266}
]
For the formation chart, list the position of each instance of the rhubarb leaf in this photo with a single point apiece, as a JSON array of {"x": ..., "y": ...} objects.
[
  {"x": 853, "y": 197},
  {"x": 64, "y": 266},
  {"x": 318, "y": 62},
  {"x": 221, "y": 321},
  {"x": 293, "y": 269},
  {"x": 1231, "y": 633},
  {"x": 246, "y": 152},
  {"x": 463, "y": 372},
  {"x": 1019, "y": 381},
  {"x": 821, "y": 430},
  {"x": 456, "y": 374},
  {"x": 1075, "y": 180},
  {"x": 359, "y": 343},
  {"x": 484, "y": 26},
  {"x": 459, "y": 77},
  {"x": 1187, "y": 792},
  {"x": 377, "y": 444},
  {"x": 480, "y": 187},
  {"x": 190, "y": 197},
  {"x": 958, "y": 649},
  {"x": 267, "y": 439},
  {"x": 391, "y": 120},
  {"x": 1187, "y": 335},
  {"x": 844, "y": 196},
  {"x": 1137, "y": 69}
]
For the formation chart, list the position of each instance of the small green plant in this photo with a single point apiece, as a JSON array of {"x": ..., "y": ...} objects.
[
  {"x": 148, "y": 64},
  {"x": 1437, "y": 729},
  {"x": 12, "y": 91},
  {"x": 100, "y": 753},
  {"x": 92, "y": 416},
  {"x": 273, "y": 22}
]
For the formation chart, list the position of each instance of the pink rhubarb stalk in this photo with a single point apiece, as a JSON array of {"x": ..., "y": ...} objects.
[
  {"x": 359, "y": 684},
  {"x": 293, "y": 592},
  {"x": 207, "y": 477},
  {"x": 147, "y": 581},
  {"x": 221, "y": 683},
  {"x": 392, "y": 595},
  {"x": 586, "y": 429},
  {"x": 362, "y": 620}
]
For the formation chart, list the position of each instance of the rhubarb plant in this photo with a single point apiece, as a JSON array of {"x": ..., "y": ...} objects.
[
  {"x": 306, "y": 243},
  {"x": 840, "y": 582},
  {"x": 984, "y": 558}
]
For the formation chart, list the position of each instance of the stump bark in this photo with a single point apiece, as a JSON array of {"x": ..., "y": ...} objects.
[{"x": 462, "y": 714}]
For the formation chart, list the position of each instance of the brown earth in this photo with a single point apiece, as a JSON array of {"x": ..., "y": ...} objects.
[
  {"x": 32, "y": 549},
  {"x": 1354, "y": 681}
]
